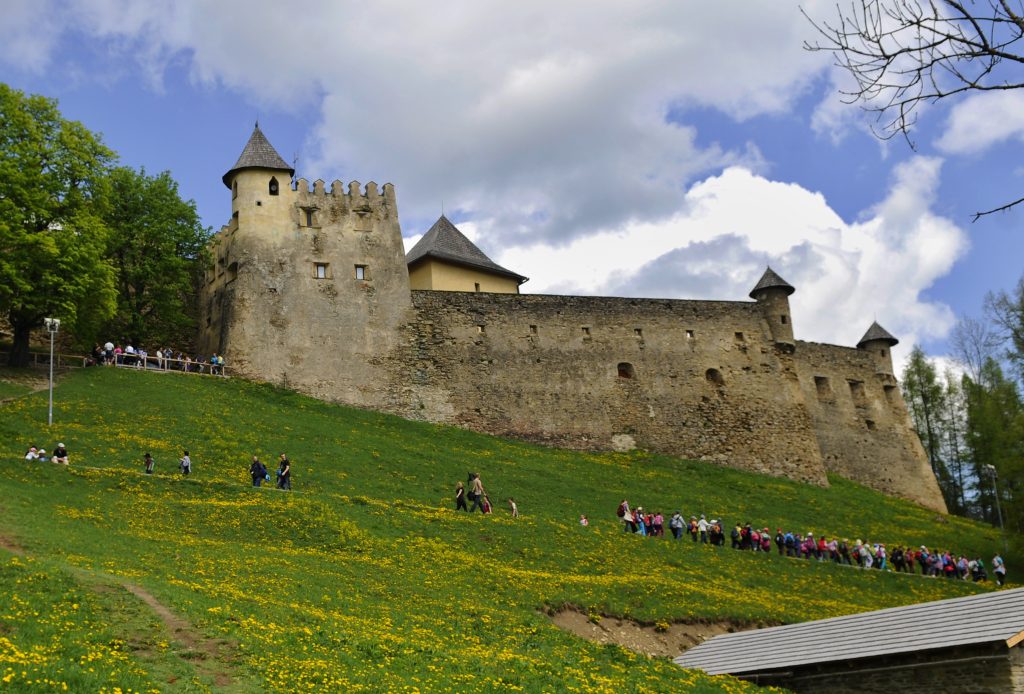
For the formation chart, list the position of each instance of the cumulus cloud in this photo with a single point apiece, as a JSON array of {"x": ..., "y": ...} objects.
[
  {"x": 546, "y": 119},
  {"x": 983, "y": 120},
  {"x": 731, "y": 225}
]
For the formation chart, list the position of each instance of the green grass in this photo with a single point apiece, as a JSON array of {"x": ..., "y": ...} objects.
[
  {"x": 363, "y": 578},
  {"x": 17, "y": 382}
]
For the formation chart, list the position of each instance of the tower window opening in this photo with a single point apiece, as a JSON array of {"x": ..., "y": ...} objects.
[
  {"x": 586, "y": 331},
  {"x": 625, "y": 370},
  {"x": 783, "y": 319},
  {"x": 481, "y": 328},
  {"x": 638, "y": 332},
  {"x": 714, "y": 377},
  {"x": 870, "y": 424},
  {"x": 689, "y": 334},
  {"x": 362, "y": 272},
  {"x": 309, "y": 217},
  {"x": 882, "y": 352},
  {"x": 320, "y": 271},
  {"x": 739, "y": 337},
  {"x": 274, "y": 188},
  {"x": 533, "y": 329}
]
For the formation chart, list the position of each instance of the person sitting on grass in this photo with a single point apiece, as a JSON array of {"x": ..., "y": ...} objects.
[
  {"x": 60, "y": 454},
  {"x": 32, "y": 453}
]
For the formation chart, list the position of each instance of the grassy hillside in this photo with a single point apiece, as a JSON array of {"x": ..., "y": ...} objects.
[{"x": 364, "y": 578}]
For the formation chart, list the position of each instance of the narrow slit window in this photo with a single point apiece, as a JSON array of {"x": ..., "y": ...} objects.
[
  {"x": 309, "y": 218},
  {"x": 784, "y": 319},
  {"x": 476, "y": 286},
  {"x": 361, "y": 272},
  {"x": 320, "y": 271}
]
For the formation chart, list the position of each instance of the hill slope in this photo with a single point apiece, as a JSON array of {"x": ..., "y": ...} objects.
[{"x": 364, "y": 578}]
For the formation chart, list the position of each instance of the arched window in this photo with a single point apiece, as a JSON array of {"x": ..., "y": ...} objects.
[
  {"x": 273, "y": 186},
  {"x": 714, "y": 377},
  {"x": 626, "y": 370}
]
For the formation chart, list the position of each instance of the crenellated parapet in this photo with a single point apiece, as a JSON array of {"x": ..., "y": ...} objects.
[{"x": 353, "y": 196}]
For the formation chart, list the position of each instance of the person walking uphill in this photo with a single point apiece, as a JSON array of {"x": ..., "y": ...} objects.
[
  {"x": 476, "y": 494},
  {"x": 460, "y": 497},
  {"x": 257, "y": 471},
  {"x": 148, "y": 459},
  {"x": 284, "y": 473}
]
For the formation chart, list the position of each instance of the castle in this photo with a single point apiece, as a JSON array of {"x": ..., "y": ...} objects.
[{"x": 310, "y": 287}]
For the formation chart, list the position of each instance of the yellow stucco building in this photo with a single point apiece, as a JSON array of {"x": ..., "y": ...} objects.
[{"x": 445, "y": 260}]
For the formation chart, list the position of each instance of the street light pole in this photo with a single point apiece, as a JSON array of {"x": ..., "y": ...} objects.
[
  {"x": 991, "y": 470},
  {"x": 52, "y": 326}
]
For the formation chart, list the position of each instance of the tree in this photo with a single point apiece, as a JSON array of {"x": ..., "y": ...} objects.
[
  {"x": 925, "y": 398},
  {"x": 156, "y": 245},
  {"x": 52, "y": 241},
  {"x": 1006, "y": 311},
  {"x": 904, "y": 54},
  {"x": 974, "y": 343}
]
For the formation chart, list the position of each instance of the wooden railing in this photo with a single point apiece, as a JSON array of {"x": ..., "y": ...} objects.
[{"x": 125, "y": 361}]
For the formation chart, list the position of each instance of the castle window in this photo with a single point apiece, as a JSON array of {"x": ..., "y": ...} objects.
[
  {"x": 481, "y": 329},
  {"x": 882, "y": 352},
  {"x": 625, "y": 370},
  {"x": 476, "y": 286},
  {"x": 533, "y": 329},
  {"x": 824, "y": 389},
  {"x": 309, "y": 217},
  {"x": 689, "y": 334},
  {"x": 870, "y": 424},
  {"x": 362, "y": 272},
  {"x": 714, "y": 377},
  {"x": 739, "y": 337},
  {"x": 234, "y": 190},
  {"x": 857, "y": 393},
  {"x": 274, "y": 189},
  {"x": 259, "y": 203},
  {"x": 320, "y": 271},
  {"x": 783, "y": 319},
  {"x": 638, "y": 332},
  {"x": 586, "y": 331}
]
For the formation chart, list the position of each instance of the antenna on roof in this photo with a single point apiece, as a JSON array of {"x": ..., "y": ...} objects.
[
  {"x": 442, "y": 207},
  {"x": 257, "y": 121},
  {"x": 295, "y": 161}
]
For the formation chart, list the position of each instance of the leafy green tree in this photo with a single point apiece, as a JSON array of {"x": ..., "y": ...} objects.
[
  {"x": 1006, "y": 311},
  {"x": 995, "y": 436},
  {"x": 52, "y": 242},
  {"x": 156, "y": 245}
]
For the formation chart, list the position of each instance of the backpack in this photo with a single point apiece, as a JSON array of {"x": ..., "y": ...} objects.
[{"x": 621, "y": 512}]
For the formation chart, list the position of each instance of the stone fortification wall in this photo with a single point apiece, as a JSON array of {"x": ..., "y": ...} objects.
[
  {"x": 275, "y": 319},
  {"x": 861, "y": 421},
  {"x": 700, "y": 379}
]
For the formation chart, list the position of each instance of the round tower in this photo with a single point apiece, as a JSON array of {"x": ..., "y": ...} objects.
[
  {"x": 879, "y": 342},
  {"x": 260, "y": 184},
  {"x": 772, "y": 294}
]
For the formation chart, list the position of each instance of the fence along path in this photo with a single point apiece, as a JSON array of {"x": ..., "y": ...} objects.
[{"x": 126, "y": 361}]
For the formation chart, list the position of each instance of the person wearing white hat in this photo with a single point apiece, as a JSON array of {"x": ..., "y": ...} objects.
[{"x": 60, "y": 454}]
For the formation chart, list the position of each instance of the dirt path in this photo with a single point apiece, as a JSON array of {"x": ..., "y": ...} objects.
[
  {"x": 207, "y": 652},
  {"x": 668, "y": 640},
  {"x": 11, "y": 545}
]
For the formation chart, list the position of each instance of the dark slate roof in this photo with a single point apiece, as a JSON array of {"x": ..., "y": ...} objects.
[
  {"x": 877, "y": 332},
  {"x": 258, "y": 154},
  {"x": 445, "y": 242},
  {"x": 771, "y": 280},
  {"x": 991, "y": 617}
]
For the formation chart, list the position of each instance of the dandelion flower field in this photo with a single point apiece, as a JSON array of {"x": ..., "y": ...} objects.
[{"x": 364, "y": 578}]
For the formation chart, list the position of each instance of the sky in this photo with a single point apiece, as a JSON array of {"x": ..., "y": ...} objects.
[{"x": 641, "y": 148}]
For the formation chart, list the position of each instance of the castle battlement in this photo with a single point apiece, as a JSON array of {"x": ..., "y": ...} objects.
[{"x": 354, "y": 196}]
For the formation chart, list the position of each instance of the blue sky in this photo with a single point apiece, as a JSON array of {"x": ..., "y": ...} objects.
[{"x": 643, "y": 148}]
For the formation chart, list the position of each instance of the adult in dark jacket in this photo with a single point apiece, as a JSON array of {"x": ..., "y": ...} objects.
[{"x": 257, "y": 471}]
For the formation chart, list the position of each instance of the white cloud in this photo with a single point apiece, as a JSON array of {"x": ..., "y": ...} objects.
[
  {"x": 28, "y": 33},
  {"x": 983, "y": 120},
  {"x": 728, "y": 227}
]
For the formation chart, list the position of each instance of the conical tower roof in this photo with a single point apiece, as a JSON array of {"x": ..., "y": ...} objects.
[
  {"x": 258, "y": 154},
  {"x": 771, "y": 280},
  {"x": 877, "y": 332},
  {"x": 445, "y": 242}
]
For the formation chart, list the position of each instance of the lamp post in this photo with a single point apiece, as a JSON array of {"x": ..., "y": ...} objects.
[
  {"x": 991, "y": 470},
  {"x": 52, "y": 326}
]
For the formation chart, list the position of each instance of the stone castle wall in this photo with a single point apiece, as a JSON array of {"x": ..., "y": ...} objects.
[{"x": 700, "y": 379}]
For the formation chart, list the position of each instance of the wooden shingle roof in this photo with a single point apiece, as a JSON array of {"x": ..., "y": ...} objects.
[
  {"x": 445, "y": 242},
  {"x": 877, "y": 332},
  {"x": 258, "y": 154},
  {"x": 771, "y": 280},
  {"x": 989, "y": 617}
]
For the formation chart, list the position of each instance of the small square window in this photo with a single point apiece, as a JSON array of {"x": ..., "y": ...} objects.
[
  {"x": 689, "y": 334},
  {"x": 481, "y": 329},
  {"x": 739, "y": 337},
  {"x": 586, "y": 330},
  {"x": 361, "y": 272},
  {"x": 320, "y": 271},
  {"x": 638, "y": 332},
  {"x": 533, "y": 329}
]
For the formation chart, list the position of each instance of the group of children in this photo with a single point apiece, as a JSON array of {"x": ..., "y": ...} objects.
[
  {"x": 60, "y": 455},
  {"x": 184, "y": 464}
]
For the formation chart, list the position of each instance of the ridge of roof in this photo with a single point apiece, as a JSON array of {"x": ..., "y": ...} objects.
[
  {"x": 771, "y": 280},
  {"x": 877, "y": 332},
  {"x": 444, "y": 241},
  {"x": 258, "y": 153}
]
